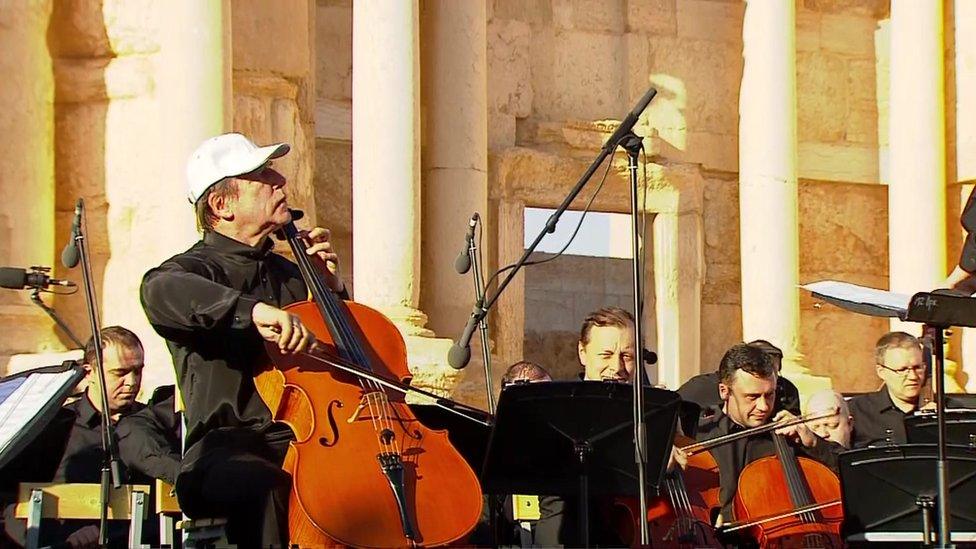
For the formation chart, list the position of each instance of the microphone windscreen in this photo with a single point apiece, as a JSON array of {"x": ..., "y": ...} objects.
[
  {"x": 69, "y": 256},
  {"x": 458, "y": 356},
  {"x": 463, "y": 262},
  {"x": 13, "y": 278}
]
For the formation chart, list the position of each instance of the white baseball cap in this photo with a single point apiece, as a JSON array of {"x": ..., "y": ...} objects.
[{"x": 224, "y": 156}]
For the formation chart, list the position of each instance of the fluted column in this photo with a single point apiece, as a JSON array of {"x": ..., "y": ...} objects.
[
  {"x": 27, "y": 165},
  {"x": 768, "y": 183},
  {"x": 916, "y": 190}
]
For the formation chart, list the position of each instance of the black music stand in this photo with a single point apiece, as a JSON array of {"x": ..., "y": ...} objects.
[
  {"x": 34, "y": 408},
  {"x": 890, "y": 493},
  {"x": 960, "y": 428},
  {"x": 562, "y": 438}
]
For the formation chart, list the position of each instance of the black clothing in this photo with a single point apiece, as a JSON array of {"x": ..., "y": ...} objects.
[
  {"x": 83, "y": 455},
  {"x": 149, "y": 440},
  {"x": 703, "y": 391},
  {"x": 200, "y": 301},
  {"x": 733, "y": 457},
  {"x": 877, "y": 420}
]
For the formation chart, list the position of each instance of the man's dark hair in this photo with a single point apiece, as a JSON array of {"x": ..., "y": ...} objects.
[
  {"x": 206, "y": 219},
  {"x": 742, "y": 356},
  {"x": 607, "y": 316},
  {"x": 523, "y": 369},
  {"x": 112, "y": 335}
]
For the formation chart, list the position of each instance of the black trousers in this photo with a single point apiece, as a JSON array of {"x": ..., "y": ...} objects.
[{"x": 238, "y": 476}]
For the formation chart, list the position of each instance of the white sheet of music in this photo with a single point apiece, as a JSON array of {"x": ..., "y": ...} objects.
[
  {"x": 860, "y": 294},
  {"x": 22, "y": 398}
]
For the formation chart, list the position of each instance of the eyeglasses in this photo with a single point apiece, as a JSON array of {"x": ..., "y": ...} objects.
[{"x": 919, "y": 370}]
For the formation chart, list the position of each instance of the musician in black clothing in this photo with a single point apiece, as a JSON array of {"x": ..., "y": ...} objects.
[
  {"x": 879, "y": 417},
  {"x": 703, "y": 388},
  {"x": 216, "y": 304},
  {"x": 747, "y": 387}
]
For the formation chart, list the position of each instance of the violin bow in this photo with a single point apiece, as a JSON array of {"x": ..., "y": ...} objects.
[{"x": 701, "y": 446}]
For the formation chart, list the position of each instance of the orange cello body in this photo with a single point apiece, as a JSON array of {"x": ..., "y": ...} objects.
[
  {"x": 772, "y": 485},
  {"x": 340, "y": 496},
  {"x": 681, "y": 516}
]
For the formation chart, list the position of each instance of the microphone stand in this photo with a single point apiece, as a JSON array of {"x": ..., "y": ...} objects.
[
  {"x": 480, "y": 311},
  {"x": 35, "y": 297},
  {"x": 479, "y": 294},
  {"x": 632, "y": 144},
  {"x": 110, "y": 459}
]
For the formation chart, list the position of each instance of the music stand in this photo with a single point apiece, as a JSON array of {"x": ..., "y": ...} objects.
[
  {"x": 562, "y": 438},
  {"x": 28, "y": 401},
  {"x": 889, "y": 493},
  {"x": 960, "y": 428}
]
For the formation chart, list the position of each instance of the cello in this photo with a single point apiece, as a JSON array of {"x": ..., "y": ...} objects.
[
  {"x": 365, "y": 472},
  {"x": 796, "y": 500}
]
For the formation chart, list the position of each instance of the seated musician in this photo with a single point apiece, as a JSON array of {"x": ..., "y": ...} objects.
[
  {"x": 75, "y": 434},
  {"x": 879, "y": 417},
  {"x": 524, "y": 371},
  {"x": 837, "y": 427},
  {"x": 216, "y": 304},
  {"x": 747, "y": 387},
  {"x": 703, "y": 388}
]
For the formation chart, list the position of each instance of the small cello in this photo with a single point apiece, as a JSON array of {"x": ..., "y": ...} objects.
[
  {"x": 365, "y": 472},
  {"x": 783, "y": 492}
]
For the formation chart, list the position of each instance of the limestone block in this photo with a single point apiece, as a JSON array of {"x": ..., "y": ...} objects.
[
  {"x": 862, "y": 83},
  {"x": 98, "y": 79},
  {"x": 264, "y": 84},
  {"x": 636, "y": 63},
  {"x": 843, "y": 228},
  {"x": 847, "y": 34},
  {"x": 78, "y": 30},
  {"x": 656, "y": 17},
  {"x": 854, "y": 163},
  {"x": 333, "y": 51},
  {"x": 297, "y": 165},
  {"x": 722, "y": 285},
  {"x": 333, "y": 195},
  {"x": 533, "y": 12},
  {"x": 427, "y": 360},
  {"x": 840, "y": 345},
  {"x": 591, "y": 15},
  {"x": 132, "y": 26},
  {"x": 582, "y": 80},
  {"x": 288, "y": 21},
  {"x": 79, "y": 151},
  {"x": 822, "y": 92},
  {"x": 721, "y": 218},
  {"x": 878, "y": 9},
  {"x": 509, "y": 68},
  {"x": 862, "y": 126},
  {"x": 251, "y": 117},
  {"x": 702, "y": 77},
  {"x": 721, "y": 328},
  {"x": 501, "y": 130},
  {"x": 709, "y": 20},
  {"x": 333, "y": 120},
  {"x": 807, "y": 30}
]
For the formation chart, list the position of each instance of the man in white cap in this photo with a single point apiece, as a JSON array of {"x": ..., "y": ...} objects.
[{"x": 216, "y": 304}]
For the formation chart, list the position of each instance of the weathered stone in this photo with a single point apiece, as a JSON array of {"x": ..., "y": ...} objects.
[
  {"x": 847, "y": 163},
  {"x": 533, "y": 12},
  {"x": 333, "y": 120},
  {"x": 589, "y": 15},
  {"x": 807, "y": 30},
  {"x": 131, "y": 26},
  {"x": 861, "y": 126},
  {"x": 509, "y": 70},
  {"x": 849, "y": 35},
  {"x": 333, "y": 195},
  {"x": 289, "y": 22},
  {"x": 582, "y": 80},
  {"x": 98, "y": 79},
  {"x": 263, "y": 84},
  {"x": 835, "y": 234},
  {"x": 839, "y": 344},
  {"x": 721, "y": 218},
  {"x": 655, "y": 17},
  {"x": 709, "y": 20},
  {"x": 78, "y": 30},
  {"x": 501, "y": 130},
  {"x": 822, "y": 92},
  {"x": 878, "y": 9},
  {"x": 333, "y": 67},
  {"x": 721, "y": 328}
]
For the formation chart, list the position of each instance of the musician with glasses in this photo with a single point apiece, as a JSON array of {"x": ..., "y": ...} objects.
[{"x": 879, "y": 417}]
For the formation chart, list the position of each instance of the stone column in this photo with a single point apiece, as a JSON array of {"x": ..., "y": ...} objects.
[
  {"x": 27, "y": 165},
  {"x": 768, "y": 185},
  {"x": 916, "y": 190},
  {"x": 455, "y": 153},
  {"x": 386, "y": 178}
]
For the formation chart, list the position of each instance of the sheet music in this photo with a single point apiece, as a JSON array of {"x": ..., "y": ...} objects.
[
  {"x": 860, "y": 294},
  {"x": 22, "y": 398}
]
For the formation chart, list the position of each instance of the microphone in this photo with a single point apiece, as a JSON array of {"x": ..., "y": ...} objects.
[
  {"x": 463, "y": 262},
  {"x": 19, "y": 279},
  {"x": 70, "y": 256},
  {"x": 460, "y": 352},
  {"x": 630, "y": 119}
]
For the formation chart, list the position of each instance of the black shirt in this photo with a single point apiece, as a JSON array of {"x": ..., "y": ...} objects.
[
  {"x": 877, "y": 420},
  {"x": 83, "y": 455},
  {"x": 703, "y": 391},
  {"x": 733, "y": 457},
  {"x": 200, "y": 301},
  {"x": 149, "y": 440}
]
